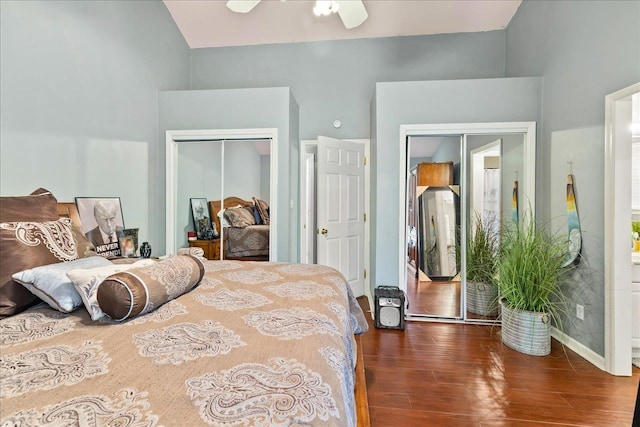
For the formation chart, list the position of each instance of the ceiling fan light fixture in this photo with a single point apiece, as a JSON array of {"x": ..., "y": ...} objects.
[
  {"x": 242, "y": 6},
  {"x": 325, "y": 7}
]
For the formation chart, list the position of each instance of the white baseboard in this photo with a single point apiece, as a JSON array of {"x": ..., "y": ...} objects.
[
  {"x": 582, "y": 350},
  {"x": 371, "y": 307},
  {"x": 635, "y": 347}
]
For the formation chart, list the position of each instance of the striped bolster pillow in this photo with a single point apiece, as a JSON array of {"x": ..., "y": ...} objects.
[{"x": 140, "y": 290}]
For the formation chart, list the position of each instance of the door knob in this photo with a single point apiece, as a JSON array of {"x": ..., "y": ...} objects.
[{"x": 323, "y": 231}]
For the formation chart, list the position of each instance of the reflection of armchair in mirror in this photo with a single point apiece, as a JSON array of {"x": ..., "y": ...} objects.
[{"x": 438, "y": 212}]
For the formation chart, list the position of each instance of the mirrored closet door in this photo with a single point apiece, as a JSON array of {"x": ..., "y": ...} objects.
[
  {"x": 234, "y": 176},
  {"x": 245, "y": 191},
  {"x": 433, "y": 266},
  {"x": 495, "y": 165},
  {"x": 489, "y": 179}
]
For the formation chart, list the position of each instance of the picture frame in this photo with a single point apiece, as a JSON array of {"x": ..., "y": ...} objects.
[
  {"x": 127, "y": 247},
  {"x": 201, "y": 218},
  {"x": 101, "y": 219},
  {"x": 128, "y": 236}
]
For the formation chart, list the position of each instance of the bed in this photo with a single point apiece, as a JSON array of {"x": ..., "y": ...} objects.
[
  {"x": 243, "y": 239},
  {"x": 252, "y": 344}
]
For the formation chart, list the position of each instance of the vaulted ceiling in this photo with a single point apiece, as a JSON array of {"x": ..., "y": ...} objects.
[{"x": 209, "y": 23}]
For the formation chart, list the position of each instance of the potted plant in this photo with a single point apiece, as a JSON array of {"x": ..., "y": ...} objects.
[
  {"x": 528, "y": 279},
  {"x": 481, "y": 262},
  {"x": 635, "y": 235}
]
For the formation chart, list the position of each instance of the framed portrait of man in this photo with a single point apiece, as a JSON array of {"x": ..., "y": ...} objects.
[
  {"x": 102, "y": 221},
  {"x": 201, "y": 219}
]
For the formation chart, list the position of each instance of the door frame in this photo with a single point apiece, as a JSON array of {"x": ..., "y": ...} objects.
[
  {"x": 367, "y": 202},
  {"x": 175, "y": 137},
  {"x": 474, "y": 166},
  {"x": 304, "y": 144},
  {"x": 617, "y": 213},
  {"x": 307, "y": 192},
  {"x": 460, "y": 129}
]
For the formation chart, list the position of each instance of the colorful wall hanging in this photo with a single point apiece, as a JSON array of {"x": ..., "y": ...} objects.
[
  {"x": 514, "y": 202},
  {"x": 573, "y": 223}
]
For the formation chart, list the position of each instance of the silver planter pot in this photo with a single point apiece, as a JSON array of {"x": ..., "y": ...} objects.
[
  {"x": 482, "y": 298},
  {"x": 526, "y": 331}
]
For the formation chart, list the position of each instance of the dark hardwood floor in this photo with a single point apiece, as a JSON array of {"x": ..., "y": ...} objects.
[
  {"x": 435, "y": 298},
  {"x": 441, "y": 374}
]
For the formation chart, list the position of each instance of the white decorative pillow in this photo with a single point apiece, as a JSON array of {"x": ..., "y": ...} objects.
[
  {"x": 194, "y": 251},
  {"x": 51, "y": 284},
  {"x": 86, "y": 282},
  {"x": 239, "y": 217},
  {"x": 223, "y": 219}
]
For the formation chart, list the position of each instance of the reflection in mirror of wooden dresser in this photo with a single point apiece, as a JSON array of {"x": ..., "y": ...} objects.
[
  {"x": 435, "y": 174},
  {"x": 211, "y": 247}
]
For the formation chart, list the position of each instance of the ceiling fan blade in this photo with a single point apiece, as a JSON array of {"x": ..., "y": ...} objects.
[
  {"x": 352, "y": 13},
  {"x": 242, "y": 6}
]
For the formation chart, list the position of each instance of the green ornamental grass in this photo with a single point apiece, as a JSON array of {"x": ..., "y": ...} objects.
[
  {"x": 482, "y": 252},
  {"x": 530, "y": 266}
]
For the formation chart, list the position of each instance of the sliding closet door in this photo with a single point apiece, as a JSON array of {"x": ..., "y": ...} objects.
[
  {"x": 246, "y": 175},
  {"x": 433, "y": 229},
  {"x": 199, "y": 175},
  {"x": 496, "y": 169},
  {"x": 246, "y": 169}
]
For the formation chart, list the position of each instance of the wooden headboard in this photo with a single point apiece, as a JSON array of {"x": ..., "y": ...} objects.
[
  {"x": 69, "y": 210},
  {"x": 229, "y": 202}
]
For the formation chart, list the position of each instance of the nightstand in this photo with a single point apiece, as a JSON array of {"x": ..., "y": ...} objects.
[{"x": 211, "y": 248}]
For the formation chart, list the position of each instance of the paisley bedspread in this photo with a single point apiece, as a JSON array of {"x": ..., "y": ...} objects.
[
  {"x": 254, "y": 344},
  {"x": 245, "y": 242}
]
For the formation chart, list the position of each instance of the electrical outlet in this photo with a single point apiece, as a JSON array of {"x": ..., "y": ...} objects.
[{"x": 580, "y": 311}]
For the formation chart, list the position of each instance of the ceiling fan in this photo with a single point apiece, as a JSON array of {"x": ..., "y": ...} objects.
[{"x": 352, "y": 12}]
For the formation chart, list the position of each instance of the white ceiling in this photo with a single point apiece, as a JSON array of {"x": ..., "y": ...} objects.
[{"x": 209, "y": 23}]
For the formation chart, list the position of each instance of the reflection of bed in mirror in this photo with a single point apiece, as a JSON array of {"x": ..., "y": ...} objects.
[{"x": 244, "y": 234}]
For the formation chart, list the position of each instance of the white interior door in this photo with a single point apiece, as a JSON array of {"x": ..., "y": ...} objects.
[{"x": 340, "y": 209}]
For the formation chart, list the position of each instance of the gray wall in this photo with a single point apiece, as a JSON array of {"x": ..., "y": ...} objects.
[
  {"x": 335, "y": 79},
  {"x": 78, "y": 104},
  {"x": 448, "y": 151},
  {"x": 584, "y": 50},
  {"x": 242, "y": 109},
  {"x": 455, "y": 101},
  {"x": 415, "y": 161}
]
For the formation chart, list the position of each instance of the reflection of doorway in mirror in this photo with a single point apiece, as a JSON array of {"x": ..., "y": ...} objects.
[
  {"x": 491, "y": 208},
  {"x": 486, "y": 181}
]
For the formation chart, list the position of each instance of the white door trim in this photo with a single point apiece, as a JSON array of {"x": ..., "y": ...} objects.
[
  {"x": 307, "y": 206},
  {"x": 529, "y": 172},
  {"x": 367, "y": 204},
  {"x": 617, "y": 214},
  {"x": 174, "y": 137},
  {"x": 476, "y": 193}
]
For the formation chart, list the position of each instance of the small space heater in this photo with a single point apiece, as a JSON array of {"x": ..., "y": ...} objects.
[{"x": 389, "y": 306}]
